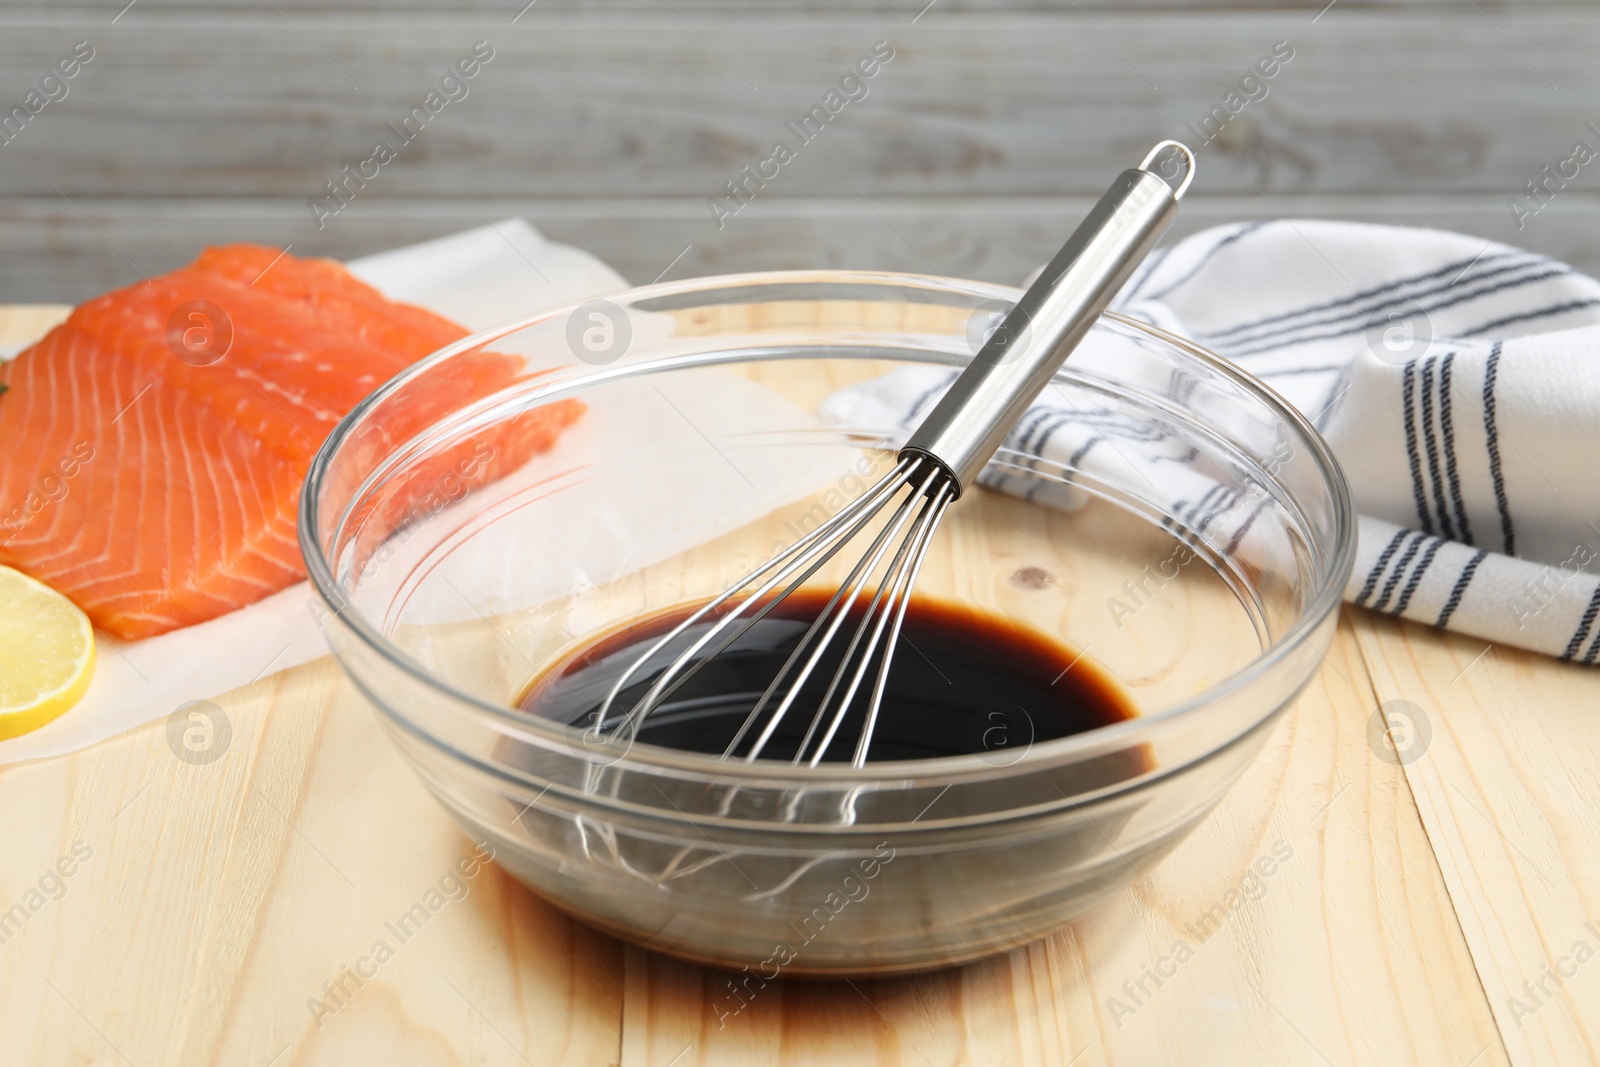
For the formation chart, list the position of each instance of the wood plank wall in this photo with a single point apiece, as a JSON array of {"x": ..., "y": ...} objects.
[{"x": 611, "y": 126}]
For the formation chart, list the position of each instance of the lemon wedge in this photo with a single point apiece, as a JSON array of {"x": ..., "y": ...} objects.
[{"x": 46, "y": 653}]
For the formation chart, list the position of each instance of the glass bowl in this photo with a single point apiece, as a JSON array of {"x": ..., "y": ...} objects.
[{"x": 1192, "y": 543}]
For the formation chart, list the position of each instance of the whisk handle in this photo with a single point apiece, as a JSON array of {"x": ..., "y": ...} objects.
[{"x": 972, "y": 419}]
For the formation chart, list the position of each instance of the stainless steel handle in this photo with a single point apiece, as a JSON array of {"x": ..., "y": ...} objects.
[{"x": 969, "y": 423}]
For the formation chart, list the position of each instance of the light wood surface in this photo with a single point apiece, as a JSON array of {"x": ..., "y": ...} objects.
[
  {"x": 206, "y": 905},
  {"x": 611, "y": 126}
]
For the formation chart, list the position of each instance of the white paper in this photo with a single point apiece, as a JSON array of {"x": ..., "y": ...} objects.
[
  {"x": 624, "y": 518},
  {"x": 478, "y": 278}
]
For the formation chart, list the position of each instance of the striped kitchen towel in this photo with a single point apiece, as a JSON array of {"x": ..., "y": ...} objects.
[{"x": 1458, "y": 382}]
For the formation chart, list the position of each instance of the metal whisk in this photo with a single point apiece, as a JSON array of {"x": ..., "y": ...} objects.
[{"x": 939, "y": 460}]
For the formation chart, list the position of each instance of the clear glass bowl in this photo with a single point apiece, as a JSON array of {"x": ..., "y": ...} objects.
[{"x": 1196, "y": 552}]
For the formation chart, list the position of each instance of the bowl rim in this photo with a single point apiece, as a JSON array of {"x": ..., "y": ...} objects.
[{"x": 780, "y": 774}]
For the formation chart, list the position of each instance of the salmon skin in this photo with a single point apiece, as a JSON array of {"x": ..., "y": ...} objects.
[{"x": 152, "y": 446}]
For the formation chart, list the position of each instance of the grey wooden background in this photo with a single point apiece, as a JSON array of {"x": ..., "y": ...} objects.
[{"x": 610, "y": 124}]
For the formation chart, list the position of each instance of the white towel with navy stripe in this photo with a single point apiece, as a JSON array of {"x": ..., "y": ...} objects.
[{"x": 1457, "y": 381}]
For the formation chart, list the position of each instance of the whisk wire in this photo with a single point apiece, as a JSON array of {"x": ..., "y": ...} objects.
[
  {"x": 890, "y": 586},
  {"x": 936, "y": 510},
  {"x": 833, "y": 617},
  {"x": 821, "y": 713},
  {"x": 820, "y": 541}
]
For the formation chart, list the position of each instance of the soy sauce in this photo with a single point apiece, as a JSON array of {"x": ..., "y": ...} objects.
[{"x": 962, "y": 682}]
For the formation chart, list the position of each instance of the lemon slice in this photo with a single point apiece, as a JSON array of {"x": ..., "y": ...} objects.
[{"x": 46, "y": 653}]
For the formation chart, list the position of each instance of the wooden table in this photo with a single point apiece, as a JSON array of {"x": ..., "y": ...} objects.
[{"x": 208, "y": 905}]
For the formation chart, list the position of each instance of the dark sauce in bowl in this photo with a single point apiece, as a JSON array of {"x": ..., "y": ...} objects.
[{"x": 963, "y": 681}]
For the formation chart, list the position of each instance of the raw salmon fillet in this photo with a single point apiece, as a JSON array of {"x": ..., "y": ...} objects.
[{"x": 157, "y": 494}]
